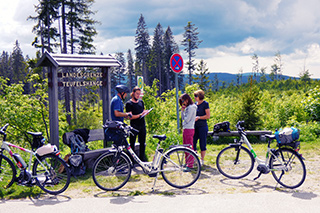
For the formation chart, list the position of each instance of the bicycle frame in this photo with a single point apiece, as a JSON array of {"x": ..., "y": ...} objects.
[{"x": 244, "y": 139}]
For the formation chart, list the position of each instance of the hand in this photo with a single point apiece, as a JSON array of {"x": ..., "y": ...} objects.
[{"x": 197, "y": 118}]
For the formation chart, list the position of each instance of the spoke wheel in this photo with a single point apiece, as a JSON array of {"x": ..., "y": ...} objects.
[
  {"x": 180, "y": 167},
  {"x": 235, "y": 162},
  {"x": 293, "y": 173},
  {"x": 7, "y": 172},
  {"x": 110, "y": 173},
  {"x": 52, "y": 174}
]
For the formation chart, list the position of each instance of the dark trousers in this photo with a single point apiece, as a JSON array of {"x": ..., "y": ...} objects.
[{"x": 142, "y": 140}]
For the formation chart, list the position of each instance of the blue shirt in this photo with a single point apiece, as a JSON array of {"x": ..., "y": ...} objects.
[{"x": 116, "y": 104}]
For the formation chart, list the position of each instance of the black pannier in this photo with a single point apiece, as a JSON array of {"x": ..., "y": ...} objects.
[
  {"x": 113, "y": 132},
  {"x": 222, "y": 127}
]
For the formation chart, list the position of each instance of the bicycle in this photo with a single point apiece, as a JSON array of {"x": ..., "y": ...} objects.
[
  {"x": 285, "y": 163},
  {"x": 179, "y": 165},
  {"x": 50, "y": 172}
]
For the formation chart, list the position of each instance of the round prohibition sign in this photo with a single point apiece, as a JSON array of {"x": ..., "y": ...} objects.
[{"x": 176, "y": 62}]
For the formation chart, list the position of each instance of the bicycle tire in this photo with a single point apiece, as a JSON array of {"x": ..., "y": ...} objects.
[
  {"x": 295, "y": 173},
  {"x": 110, "y": 174},
  {"x": 180, "y": 167},
  {"x": 58, "y": 179},
  {"x": 7, "y": 172},
  {"x": 235, "y": 163}
]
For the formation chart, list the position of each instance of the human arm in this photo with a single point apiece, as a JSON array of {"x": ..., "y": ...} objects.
[{"x": 122, "y": 114}]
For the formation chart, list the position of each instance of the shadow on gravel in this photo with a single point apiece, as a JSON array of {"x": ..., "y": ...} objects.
[{"x": 46, "y": 199}]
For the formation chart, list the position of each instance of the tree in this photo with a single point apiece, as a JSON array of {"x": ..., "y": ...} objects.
[
  {"x": 276, "y": 68},
  {"x": 202, "y": 78},
  {"x": 17, "y": 65},
  {"x": 142, "y": 47},
  {"x": 191, "y": 43},
  {"x": 255, "y": 68},
  {"x": 130, "y": 70},
  {"x": 249, "y": 107},
  {"x": 118, "y": 73},
  {"x": 239, "y": 77},
  {"x": 157, "y": 56},
  {"x": 46, "y": 33},
  {"x": 170, "y": 47}
]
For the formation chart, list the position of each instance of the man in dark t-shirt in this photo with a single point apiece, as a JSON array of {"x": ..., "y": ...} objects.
[{"x": 135, "y": 106}]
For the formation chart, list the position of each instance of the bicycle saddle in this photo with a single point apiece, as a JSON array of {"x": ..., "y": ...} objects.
[
  {"x": 270, "y": 136},
  {"x": 160, "y": 137},
  {"x": 35, "y": 134}
]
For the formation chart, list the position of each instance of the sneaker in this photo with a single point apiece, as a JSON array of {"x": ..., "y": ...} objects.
[
  {"x": 201, "y": 162},
  {"x": 187, "y": 169}
]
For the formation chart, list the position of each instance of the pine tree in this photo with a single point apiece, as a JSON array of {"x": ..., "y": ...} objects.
[
  {"x": 17, "y": 65},
  {"x": 46, "y": 33},
  {"x": 142, "y": 48},
  {"x": 170, "y": 47},
  {"x": 130, "y": 70},
  {"x": 202, "y": 77},
  {"x": 158, "y": 56},
  {"x": 191, "y": 43}
]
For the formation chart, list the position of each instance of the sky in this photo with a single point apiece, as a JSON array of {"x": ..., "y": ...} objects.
[{"x": 232, "y": 31}]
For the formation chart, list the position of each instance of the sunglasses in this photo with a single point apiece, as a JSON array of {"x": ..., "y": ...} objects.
[{"x": 196, "y": 96}]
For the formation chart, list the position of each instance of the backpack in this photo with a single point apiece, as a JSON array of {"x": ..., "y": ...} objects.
[
  {"x": 287, "y": 135},
  {"x": 77, "y": 165},
  {"x": 77, "y": 144},
  {"x": 222, "y": 127}
]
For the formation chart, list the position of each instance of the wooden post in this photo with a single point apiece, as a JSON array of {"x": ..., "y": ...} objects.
[
  {"x": 106, "y": 96},
  {"x": 53, "y": 106}
]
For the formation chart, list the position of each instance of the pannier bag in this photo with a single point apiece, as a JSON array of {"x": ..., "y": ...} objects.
[
  {"x": 77, "y": 165},
  {"x": 222, "y": 127},
  {"x": 287, "y": 135},
  {"x": 113, "y": 132}
]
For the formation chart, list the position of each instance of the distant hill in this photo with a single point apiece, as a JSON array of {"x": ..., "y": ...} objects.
[{"x": 228, "y": 77}]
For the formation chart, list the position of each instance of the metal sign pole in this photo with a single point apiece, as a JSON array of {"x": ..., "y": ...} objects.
[
  {"x": 177, "y": 104},
  {"x": 176, "y": 64}
]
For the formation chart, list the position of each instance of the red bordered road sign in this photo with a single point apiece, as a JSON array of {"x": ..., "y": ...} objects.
[{"x": 176, "y": 62}]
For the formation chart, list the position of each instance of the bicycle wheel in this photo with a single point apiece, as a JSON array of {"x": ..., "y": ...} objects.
[
  {"x": 110, "y": 172},
  {"x": 52, "y": 174},
  {"x": 180, "y": 167},
  {"x": 293, "y": 173},
  {"x": 235, "y": 162},
  {"x": 7, "y": 172}
]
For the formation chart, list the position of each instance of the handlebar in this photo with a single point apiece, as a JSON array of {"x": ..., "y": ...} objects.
[
  {"x": 239, "y": 126},
  {"x": 4, "y": 129}
]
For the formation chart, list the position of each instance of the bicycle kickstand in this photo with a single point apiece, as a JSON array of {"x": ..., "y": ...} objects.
[
  {"x": 257, "y": 176},
  {"x": 154, "y": 183}
]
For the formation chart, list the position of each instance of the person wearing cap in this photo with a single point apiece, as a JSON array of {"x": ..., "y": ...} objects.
[{"x": 117, "y": 113}]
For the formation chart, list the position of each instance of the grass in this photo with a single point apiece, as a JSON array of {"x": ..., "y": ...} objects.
[{"x": 86, "y": 185}]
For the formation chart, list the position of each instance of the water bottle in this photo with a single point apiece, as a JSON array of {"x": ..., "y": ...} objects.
[{"x": 20, "y": 162}]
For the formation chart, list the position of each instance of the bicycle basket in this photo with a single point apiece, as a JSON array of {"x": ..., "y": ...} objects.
[{"x": 287, "y": 135}]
